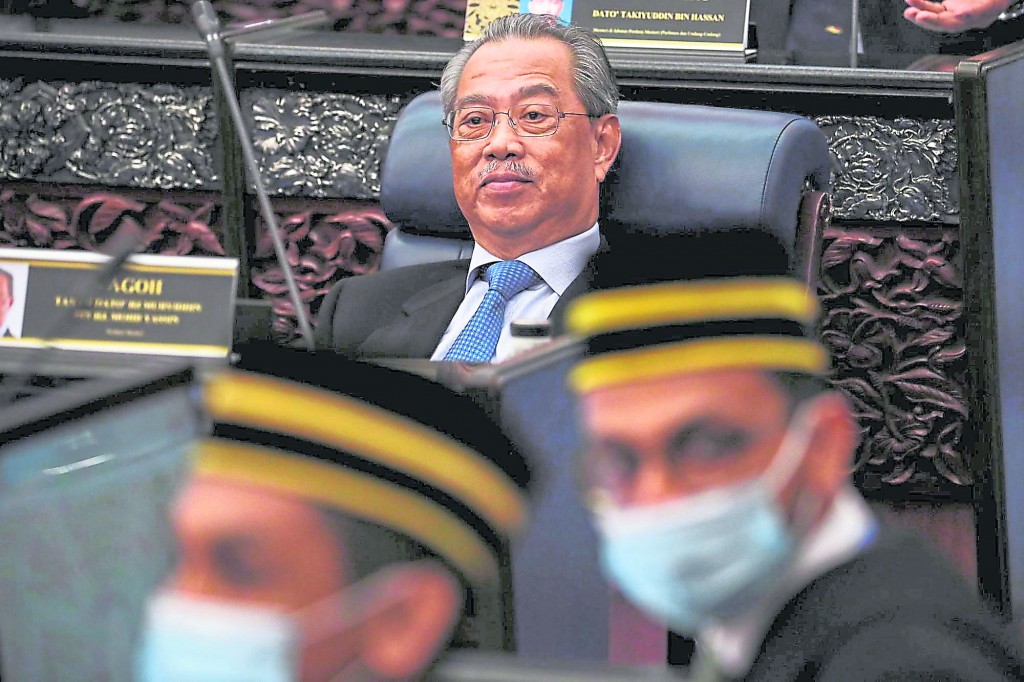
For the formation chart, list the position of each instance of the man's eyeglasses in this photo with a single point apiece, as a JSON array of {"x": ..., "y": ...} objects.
[{"x": 527, "y": 120}]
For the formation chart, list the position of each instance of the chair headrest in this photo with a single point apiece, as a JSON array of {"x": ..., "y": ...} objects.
[{"x": 681, "y": 167}]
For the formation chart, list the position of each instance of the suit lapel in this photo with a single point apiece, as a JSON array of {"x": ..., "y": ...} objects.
[
  {"x": 417, "y": 329},
  {"x": 580, "y": 285}
]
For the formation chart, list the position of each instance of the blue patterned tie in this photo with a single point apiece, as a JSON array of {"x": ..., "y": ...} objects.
[{"x": 479, "y": 338}]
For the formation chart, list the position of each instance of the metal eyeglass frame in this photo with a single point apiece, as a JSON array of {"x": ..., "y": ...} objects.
[{"x": 448, "y": 121}]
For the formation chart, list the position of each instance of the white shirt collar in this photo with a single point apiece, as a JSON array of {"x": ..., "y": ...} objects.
[
  {"x": 558, "y": 264},
  {"x": 844, "y": 531}
]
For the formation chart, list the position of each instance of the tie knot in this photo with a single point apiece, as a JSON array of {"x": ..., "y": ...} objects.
[{"x": 509, "y": 277}]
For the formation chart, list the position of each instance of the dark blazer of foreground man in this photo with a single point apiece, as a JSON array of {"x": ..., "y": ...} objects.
[
  {"x": 717, "y": 467},
  {"x": 521, "y": 195}
]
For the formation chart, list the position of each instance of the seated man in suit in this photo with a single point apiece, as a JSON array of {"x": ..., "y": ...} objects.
[
  {"x": 530, "y": 109},
  {"x": 717, "y": 468},
  {"x": 332, "y": 526}
]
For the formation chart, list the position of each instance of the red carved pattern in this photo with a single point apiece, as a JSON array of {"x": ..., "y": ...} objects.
[
  {"x": 426, "y": 17},
  {"x": 325, "y": 242},
  {"x": 74, "y": 218},
  {"x": 893, "y": 303}
]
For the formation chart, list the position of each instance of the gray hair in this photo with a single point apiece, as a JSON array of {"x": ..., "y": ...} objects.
[{"x": 593, "y": 79}]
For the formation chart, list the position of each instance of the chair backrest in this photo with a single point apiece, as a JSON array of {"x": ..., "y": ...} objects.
[{"x": 681, "y": 168}]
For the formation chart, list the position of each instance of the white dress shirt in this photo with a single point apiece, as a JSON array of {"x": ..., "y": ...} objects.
[
  {"x": 847, "y": 528},
  {"x": 558, "y": 265}
]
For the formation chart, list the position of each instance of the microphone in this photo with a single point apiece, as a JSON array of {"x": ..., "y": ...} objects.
[
  {"x": 209, "y": 29},
  {"x": 207, "y": 23}
]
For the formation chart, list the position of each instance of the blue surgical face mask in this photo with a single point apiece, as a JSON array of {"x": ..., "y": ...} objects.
[
  {"x": 195, "y": 639},
  {"x": 708, "y": 556}
]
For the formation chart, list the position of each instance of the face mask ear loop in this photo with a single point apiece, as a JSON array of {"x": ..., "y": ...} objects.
[
  {"x": 343, "y": 610},
  {"x": 791, "y": 454}
]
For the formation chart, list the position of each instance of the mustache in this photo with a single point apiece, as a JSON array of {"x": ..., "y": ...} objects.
[{"x": 510, "y": 166}]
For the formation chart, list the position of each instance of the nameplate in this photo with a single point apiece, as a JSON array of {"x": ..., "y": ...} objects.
[
  {"x": 719, "y": 25},
  {"x": 159, "y": 305}
]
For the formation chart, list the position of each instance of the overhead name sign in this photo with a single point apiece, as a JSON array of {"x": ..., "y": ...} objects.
[
  {"x": 675, "y": 24},
  {"x": 162, "y": 305}
]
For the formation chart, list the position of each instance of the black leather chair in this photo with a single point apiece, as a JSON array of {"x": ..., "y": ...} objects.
[{"x": 681, "y": 168}]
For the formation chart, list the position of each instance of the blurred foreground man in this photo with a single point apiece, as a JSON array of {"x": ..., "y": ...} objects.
[
  {"x": 332, "y": 526},
  {"x": 717, "y": 468}
]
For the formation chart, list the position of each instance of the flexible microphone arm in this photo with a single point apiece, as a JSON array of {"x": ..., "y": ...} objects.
[{"x": 209, "y": 29}]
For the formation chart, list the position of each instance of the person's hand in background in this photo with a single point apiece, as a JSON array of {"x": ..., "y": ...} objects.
[{"x": 954, "y": 16}]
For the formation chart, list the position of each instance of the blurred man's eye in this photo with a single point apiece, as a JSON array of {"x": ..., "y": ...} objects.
[
  {"x": 237, "y": 561},
  {"x": 708, "y": 444},
  {"x": 611, "y": 468}
]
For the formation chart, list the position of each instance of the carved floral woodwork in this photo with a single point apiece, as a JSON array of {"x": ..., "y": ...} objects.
[
  {"x": 320, "y": 144},
  {"x": 893, "y": 170},
  {"x": 325, "y": 242},
  {"x": 75, "y": 217},
  {"x": 330, "y": 145},
  {"x": 892, "y": 295},
  {"x": 422, "y": 17},
  {"x": 151, "y": 136},
  {"x": 893, "y": 323}
]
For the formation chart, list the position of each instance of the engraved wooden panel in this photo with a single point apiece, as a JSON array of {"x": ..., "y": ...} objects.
[
  {"x": 899, "y": 170},
  {"x": 122, "y": 134},
  {"x": 893, "y": 322},
  {"x": 320, "y": 144}
]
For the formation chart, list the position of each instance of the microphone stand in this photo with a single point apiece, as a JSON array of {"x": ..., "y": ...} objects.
[{"x": 216, "y": 40}]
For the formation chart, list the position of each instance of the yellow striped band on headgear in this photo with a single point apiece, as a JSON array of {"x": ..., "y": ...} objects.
[
  {"x": 646, "y": 332},
  {"x": 355, "y": 457}
]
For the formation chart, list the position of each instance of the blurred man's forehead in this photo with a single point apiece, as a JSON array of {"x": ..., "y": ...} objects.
[
  {"x": 744, "y": 395},
  {"x": 216, "y": 503}
]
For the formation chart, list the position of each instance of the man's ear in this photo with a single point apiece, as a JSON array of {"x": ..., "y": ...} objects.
[
  {"x": 833, "y": 441},
  {"x": 607, "y": 139},
  {"x": 415, "y": 608}
]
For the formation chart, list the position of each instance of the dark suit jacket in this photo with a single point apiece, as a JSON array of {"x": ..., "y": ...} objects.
[
  {"x": 895, "y": 612},
  {"x": 403, "y": 312}
]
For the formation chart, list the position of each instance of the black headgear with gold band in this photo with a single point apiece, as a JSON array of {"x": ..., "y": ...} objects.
[
  {"x": 735, "y": 308},
  {"x": 376, "y": 444}
]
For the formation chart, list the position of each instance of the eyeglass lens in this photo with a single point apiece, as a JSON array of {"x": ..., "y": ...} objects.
[{"x": 531, "y": 120}]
